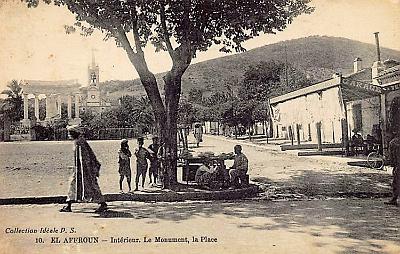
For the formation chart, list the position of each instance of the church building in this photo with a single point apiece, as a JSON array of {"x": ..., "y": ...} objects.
[
  {"x": 91, "y": 96},
  {"x": 69, "y": 94}
]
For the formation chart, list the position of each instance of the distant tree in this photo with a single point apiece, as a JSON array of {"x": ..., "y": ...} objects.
[
  {"x": 87, "y": 116},
  {"x": 264, "y": 81},
  {"x": 187, "y": 113},
  {"x": 229, "y": 113},
  {"x": 182, "y": 28},
  {"x": 195, "y": 95},
  {"x": 127, "y": 105},
  {"x": 12, "y": 107},
  {"x": 269, "y": 79},
  {"x": 292, "y": 79},
  {"x": 143, "y": 114},
  {"x": 215, "y": 98},
  {"x": 261, "y": 81},
  {"x": 130, "y": 113}
]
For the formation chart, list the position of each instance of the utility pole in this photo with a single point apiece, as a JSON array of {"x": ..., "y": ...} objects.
[{"x": 286, "y": 67}]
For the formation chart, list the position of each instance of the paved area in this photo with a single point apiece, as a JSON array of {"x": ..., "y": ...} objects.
[{"x": 249, "y": 226}]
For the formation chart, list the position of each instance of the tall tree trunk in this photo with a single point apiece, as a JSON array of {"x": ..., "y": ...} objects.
[
  {"x": 172, "y": 94},
  {"x": 165, "y": 113}
]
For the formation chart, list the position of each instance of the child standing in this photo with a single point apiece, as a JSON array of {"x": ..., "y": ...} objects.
[
  {"x": 124, "y": 162},
  {"x": 141, "y": 162},
  {"x": 153, "y": 149}
]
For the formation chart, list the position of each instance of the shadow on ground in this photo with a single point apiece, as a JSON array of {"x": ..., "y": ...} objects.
[
  {"x": 356, "y": 225},
  {"x": 324, "y": 183}
]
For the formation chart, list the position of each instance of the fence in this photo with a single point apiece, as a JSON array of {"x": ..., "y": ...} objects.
[
  {"x": 100, "y": 134},
  {"x": 117, "y": 133}
]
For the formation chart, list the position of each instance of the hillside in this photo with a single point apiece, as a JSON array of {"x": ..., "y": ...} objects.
[{"x": 317, "y": 56}]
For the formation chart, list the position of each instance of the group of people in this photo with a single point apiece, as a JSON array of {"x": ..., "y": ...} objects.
[
  {"x": 365, "y": 145},
  {"x": 393, "y": 159},
  {"x": 213, "y": 175},
  {"x": 152, "y": 153},
  {"x": 83, "y": 183}
]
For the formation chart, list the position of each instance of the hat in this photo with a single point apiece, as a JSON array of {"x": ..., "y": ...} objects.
[
  {"x": 155, "y": 137},
  {"x": 74, "y": 128},
  {"x": 124, "y": 141}
]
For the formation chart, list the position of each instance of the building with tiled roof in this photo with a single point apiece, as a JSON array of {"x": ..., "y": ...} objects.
[{"x": 328, "y": 111}]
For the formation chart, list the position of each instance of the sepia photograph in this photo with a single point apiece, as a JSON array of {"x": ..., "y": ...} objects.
[{"x": 199, "y": 126}]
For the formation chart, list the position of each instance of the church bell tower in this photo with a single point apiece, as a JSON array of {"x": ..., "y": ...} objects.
[
  {"x": 93, "y": 73},
  {"x": 93, "y": 90}
]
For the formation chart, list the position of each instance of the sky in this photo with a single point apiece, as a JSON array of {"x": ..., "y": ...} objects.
[{"x": 34, "y": 45}]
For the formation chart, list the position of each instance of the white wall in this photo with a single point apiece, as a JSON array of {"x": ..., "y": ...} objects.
[{"x": 323, "y": 106}]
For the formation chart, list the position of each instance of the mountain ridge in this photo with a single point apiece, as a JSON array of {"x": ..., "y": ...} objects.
[{"x": 317, "y": 56}]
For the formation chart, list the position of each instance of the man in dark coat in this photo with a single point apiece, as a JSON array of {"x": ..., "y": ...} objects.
[
  {"x": 394, "y": 159},
  {"x": 84, "y": 185}
]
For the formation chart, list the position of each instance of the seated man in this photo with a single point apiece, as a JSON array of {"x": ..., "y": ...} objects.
[
  {"x": 357, "y": 141},
  {"x": 239, "y": 168},
  {"x": 370, "y": 141},
  {"x": 211, "y": 175},
  {"x": 205, "y": 174}
]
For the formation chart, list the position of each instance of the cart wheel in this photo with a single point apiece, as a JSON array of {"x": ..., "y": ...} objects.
[{"x": 375, "y": 160}]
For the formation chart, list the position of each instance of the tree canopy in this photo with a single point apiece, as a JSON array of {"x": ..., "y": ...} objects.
[
  {"x": 12, "y": 105},
  {"x": 182, "y": 28},
  {"x": 246, "y": 102}
]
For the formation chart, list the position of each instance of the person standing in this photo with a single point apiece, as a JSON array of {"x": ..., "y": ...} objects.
[
  {"x": 161, "y": 156},
  {"x": 239, "y": 167},
  {"x": 198, "y": 133},
  {"x": 154, "y": 164},
  {"x": 394, "y": 159},
  {"x": 84, "y": 185},
  {"x": 141, "y": 162},
  {"x": 124, "y": 162}
]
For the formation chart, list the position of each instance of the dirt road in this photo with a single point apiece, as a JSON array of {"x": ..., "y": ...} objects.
[{"x": 43, "y": 169}]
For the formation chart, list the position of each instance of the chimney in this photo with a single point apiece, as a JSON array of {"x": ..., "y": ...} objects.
[
  {"x": 378, "y": 51},
  {"x": 357, "y": 64},
  {"x": 376, "y": 68}
]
